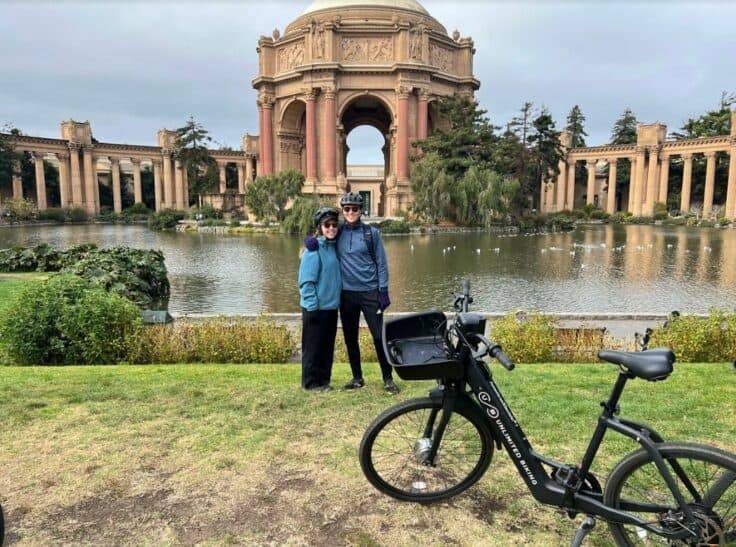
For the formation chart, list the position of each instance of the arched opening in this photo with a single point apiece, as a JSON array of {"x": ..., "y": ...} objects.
[
  {"x": 291, "y": 137},
  {"x": 365, "y": 151}
]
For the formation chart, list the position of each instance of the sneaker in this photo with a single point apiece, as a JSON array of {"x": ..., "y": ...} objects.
[
  {"x": 390, "y": 387},
  {"x": 355, "y": 383}
]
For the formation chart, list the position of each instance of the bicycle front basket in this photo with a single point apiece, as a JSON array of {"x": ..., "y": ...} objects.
[{"x": 415, "y": 346}]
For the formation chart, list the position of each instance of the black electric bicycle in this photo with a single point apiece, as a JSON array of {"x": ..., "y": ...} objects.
[{"x": 429, "y": 449}]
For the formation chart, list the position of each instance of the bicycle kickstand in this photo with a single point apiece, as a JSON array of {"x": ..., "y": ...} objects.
[{"x": 585, "y": 527}]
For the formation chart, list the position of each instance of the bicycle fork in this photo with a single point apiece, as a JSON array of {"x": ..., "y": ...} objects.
[{"x": 426, "y": 448}]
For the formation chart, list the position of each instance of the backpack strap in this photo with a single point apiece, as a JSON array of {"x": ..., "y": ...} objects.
[{"x": 370, "y": 243}]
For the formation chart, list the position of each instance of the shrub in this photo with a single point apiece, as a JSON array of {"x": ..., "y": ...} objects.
[
  {"x": 63, "y": 320},
  {"x": 20, "y": 210},
  {"x": 207, "y": 211},
  {"x": 707, "y": 223},
  {"x": 562, "y": 222},
  {"x": 106, "y": 214},
  {"x": 54, "y": 214},
  {"x": 213, "y": 222},
  {"x": 660, "y": 211},
  {"x": 77, "y": 214},
  {"x": 166, "y": 219},
  {"x": 695, "y": 339},
  {"x": 221, "y": 340},
  {"x": 394, "y": 227},
  {"x": 599, "y": 214},
  {"x": 530, "y": 340},
  {"x": 136, "y": 212},
  {"x": 723, "y": 222},
  {"x": 365, "y": 343}
]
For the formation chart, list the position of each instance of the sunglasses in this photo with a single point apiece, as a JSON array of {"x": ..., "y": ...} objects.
[
  {"x": 330, "y": 225},
  {"x": 350, "y": 209}
]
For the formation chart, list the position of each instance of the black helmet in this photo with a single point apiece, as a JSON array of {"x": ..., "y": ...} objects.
[
  {"x": 323, "y": 214},
  {"x": 352, "y": 198}
]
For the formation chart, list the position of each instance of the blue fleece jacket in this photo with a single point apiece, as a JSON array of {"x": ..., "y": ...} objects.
[
  {"x": 359, "y": 272},
  {"x": 319, "y": 278}
]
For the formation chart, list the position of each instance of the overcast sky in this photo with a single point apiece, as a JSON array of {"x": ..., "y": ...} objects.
[{"x": 131, "y": 67}]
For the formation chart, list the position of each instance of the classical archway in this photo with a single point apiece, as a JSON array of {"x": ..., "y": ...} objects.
[{"x": 347, "y": 63}]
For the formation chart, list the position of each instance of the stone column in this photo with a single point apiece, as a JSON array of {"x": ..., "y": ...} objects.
[
  {"x": 40, "y": 181},
  {"x": 241, "y": 178},
  {"x": 632, "y": 179},
  {"x": 223, "y": 176},
  {"x": 402, "y": 137},
  {"x": 422, "y": 114},
  {"x": 570, "y": 191},
  {"x": 731, "y": 188},
  {"x": 265, "y": 140},
  {"x": 639, "y": 181},
  {"x": 185, "y": 187},
  {"x": 590, "y": 166},
  {"x": 664, "y": 176},
  {"x": 157, "y": 190},
  {"x": 710, "y": 177},
  {"x": 311, "y": 123},
  {"x": 76, "y": 172},
  {"x": 17, "y": 181},
  {"x": 179, "y": 186},
  {"x": 687, "y": 180},
  {"x": 249, "y": 169},
  {"x": 64, "y": 184},
  {"x": 137, "y": 187},
  {"x": 168, "y": 187},
  {"x": 117, "y": 198},
  {"x": 91, "y": 201},
  {"x": 559, "y": 203},
  {"x": 652, "y": 181},
  {"x": 611, "y": 201},
  {"x": 329, "y": 131}
]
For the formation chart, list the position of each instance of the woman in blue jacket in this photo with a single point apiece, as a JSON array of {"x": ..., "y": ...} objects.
[{"x": 319, "y": 287}]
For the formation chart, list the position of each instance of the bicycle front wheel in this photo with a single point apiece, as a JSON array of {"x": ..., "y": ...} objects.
[
  {"x": 395, "y": 451},
  {"x": 705, "y": 476}
]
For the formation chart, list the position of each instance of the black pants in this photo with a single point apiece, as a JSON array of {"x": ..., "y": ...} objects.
[
  {"x": 318, "y": 347},
  {"x": 351, "y": 304}
]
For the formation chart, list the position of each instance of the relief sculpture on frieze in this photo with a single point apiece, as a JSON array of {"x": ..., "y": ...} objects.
[
  {"x": 367, "y": 50},
  {"x": 291, "y": 56},
  {"x": 440, "y": 57}
]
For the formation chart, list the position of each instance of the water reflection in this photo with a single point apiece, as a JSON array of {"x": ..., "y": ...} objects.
[{"x": 596, "y": 269}]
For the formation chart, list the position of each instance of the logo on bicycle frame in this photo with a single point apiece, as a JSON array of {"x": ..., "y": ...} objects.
[{"x": 491, "y": 410}]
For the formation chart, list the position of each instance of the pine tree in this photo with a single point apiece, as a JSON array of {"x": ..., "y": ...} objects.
[
  {"x": 191, "y": 150},
  {"x": 624, "y": 130},
  {"x": 576, "y": 127}
]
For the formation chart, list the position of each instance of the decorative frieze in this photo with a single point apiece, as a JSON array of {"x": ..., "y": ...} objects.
[
  {"x": 367, "y": 50},
  {"x": 290, "y": 56},
  {"x": 440, "y": 56}
]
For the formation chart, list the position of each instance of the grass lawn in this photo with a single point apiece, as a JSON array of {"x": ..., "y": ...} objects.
[
  {"x": 12, "y": 283},
  {"x": 223, "y": 454}
]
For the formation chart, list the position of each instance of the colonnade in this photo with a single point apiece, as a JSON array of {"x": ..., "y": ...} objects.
[
  {"x": 649, "y": 180},
  {"x": 80, "y": 162}
]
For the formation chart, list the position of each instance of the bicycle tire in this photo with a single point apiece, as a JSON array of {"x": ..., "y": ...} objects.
[
  {"x": 394, "y": 444},
  {"x": 635, "y": 479}
]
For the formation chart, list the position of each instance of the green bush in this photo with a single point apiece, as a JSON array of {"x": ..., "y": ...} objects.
[
  {"x": 54, "y": 214},
  {"x": 207, "y": 211},
  {"x": 707, "y": 223},
  {"x": 599, "y": 214},
  {"x": 723, "y": 222},
  {"x": 213, "y": 222},
  {"x": 394, "y": 227},
  {"x": 660, "y": 211},
  {"x": 694, "y": 339},
  {"x": 106, "y": 214},
  {"x": 166, "y": 219},
  {"x": 221, "y": 340},
  {"x": 20, "y": 210},
  {"x": 64, "y": 321},
  {"x": 530, "y": 340},
  {"x": 77, "y": 214},
  {"x": 562, "y": 222},
  {"x": 675, "y": 221}
]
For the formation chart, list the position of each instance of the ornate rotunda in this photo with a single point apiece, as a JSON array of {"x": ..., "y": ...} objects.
[{"x": 347, "y": 63}]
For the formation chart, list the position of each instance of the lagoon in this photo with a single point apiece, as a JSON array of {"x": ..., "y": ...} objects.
[{"x": 596, "y": 269}]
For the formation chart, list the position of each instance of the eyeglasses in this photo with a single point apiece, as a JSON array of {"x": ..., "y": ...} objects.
[
  {"x": 330, "y": 225},
  {"x": 350, "y": 209}
]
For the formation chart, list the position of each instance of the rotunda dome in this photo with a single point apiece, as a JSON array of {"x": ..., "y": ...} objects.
[{"x": 409, "y": 5}]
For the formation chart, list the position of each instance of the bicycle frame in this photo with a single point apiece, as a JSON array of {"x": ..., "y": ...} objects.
[{"x": 566, "y": 490}]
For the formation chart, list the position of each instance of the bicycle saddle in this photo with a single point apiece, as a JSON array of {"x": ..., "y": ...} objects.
[{"x": 651, "y": 364}]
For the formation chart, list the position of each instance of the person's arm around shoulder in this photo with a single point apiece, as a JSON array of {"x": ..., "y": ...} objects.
[
  {"x": 308, "y": 278},
  {"x": 381, "y": 260}
]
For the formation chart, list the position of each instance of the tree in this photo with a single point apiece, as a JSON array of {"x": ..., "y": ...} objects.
[
  {"x": 575, "y": 127},
  {"x": 546, "y": 154},
  {"x": 624, "y": 130},
  {"x": 191, "y": 150},
  {"x": 711, "y": 124},
  {"x": 9, "y": 159},
  {"x": 300, "y": 218},
  {"x": 521, "y": 126},
  {"x": 465, "y": 138},
  {"x": 267, "y": 196}
]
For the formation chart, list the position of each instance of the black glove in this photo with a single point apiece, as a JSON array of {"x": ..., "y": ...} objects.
[{"x": 383, "y": 300}]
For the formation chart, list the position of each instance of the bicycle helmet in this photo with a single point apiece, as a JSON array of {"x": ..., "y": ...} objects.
[
  {"x": 352, "y": 198},
  {"x": 323, "y": 214}
]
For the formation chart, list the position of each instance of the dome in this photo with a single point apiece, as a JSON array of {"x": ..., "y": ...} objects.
[{"x": 409, "y": 5}]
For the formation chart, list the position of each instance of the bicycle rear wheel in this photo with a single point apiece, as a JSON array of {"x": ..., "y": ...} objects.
[
  {"x": 706, "y": 476},
  {"x": 395, "y": 447}
]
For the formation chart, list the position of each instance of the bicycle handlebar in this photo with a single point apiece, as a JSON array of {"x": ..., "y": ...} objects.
[{"x": 495, "y": 351}]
